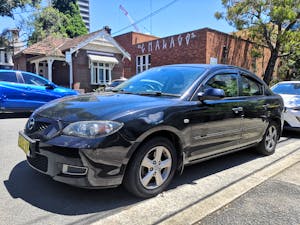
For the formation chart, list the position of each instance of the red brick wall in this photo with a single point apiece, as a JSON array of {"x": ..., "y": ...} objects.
[
  {"x": 187, "y": 47},
  {"x": 238, "y": 51},
  {"x": 193, "y": 47}
]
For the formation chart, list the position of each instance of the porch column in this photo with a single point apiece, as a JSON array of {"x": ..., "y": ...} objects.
[
  {"x": 36, "y": 65},
  {"x": 69, "y": 61},
  {"x": 50, "y": 62}
]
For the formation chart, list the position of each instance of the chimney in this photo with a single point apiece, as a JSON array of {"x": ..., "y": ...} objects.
[{"x": 107, "y": 29}]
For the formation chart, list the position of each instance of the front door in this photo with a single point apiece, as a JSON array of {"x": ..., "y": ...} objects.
[{"x": 216, "y": 124}]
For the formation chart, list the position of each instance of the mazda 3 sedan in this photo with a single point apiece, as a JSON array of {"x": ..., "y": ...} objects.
[
  {"x": 290, "y": 92},
  {"x": 151, "y": 126},
  {"x": 24, "y": 92}
]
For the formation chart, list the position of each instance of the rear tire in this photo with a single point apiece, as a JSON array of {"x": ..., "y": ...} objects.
[
  {"x": 268, "y": 144},
  {"x": 152, "y": 168}
]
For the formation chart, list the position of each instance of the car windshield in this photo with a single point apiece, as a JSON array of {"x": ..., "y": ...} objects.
[
  {"x": 287, "y": 88},
  {"x": 173, "y": 81}
]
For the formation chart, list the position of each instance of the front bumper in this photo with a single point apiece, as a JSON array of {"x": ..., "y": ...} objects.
[
  {"x": 292, "y": 118},
  {"x": 86, "y": 168}
]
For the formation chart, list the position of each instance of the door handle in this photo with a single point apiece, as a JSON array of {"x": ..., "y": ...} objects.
[
  {"x": 237, "y": 109},
  {"x": 266, "y": 106}
]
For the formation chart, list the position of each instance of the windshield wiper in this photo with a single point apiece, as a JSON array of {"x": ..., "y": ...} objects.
[
  {"x": 157, "y": 93},
  {"x": 121, "y": 91}
]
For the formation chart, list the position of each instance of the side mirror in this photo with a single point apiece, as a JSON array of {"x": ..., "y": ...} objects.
[
  {"x": 211, "y": 94},
  {"x": 50, "y": 86}
]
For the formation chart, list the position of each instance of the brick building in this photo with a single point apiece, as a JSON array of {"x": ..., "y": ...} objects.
[
  {"x": 199, "y": 46},
  {"x": 85, "y": 62}
]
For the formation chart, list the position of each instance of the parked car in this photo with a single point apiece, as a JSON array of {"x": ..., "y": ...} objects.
[
  {"x": 115, "y": 83},
  {"x": 24, "y": 92},
  {"x": 290, "y": 92},
  {"x": 153, "y": 125}
]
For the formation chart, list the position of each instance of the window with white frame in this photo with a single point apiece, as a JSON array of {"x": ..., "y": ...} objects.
[
  {"x": 101, "y": 72},
  {"x": 143, "y": 62}
]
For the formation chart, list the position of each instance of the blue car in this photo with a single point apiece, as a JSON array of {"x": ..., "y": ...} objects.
[{"x": 24, "y": 92}]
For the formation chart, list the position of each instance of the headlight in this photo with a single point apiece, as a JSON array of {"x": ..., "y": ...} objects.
[{"x": 92, "y": 129}]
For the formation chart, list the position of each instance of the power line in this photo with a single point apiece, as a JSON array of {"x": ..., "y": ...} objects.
[{"x": 146, "y": 17}]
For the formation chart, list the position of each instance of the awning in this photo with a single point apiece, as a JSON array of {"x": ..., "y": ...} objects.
[{"x": 103, "y": 59}]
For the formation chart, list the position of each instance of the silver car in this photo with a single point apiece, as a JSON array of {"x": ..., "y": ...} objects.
[{"x": 290, "y": 92}]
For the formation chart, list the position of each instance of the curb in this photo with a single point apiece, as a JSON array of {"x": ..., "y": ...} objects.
[
  {"x": 192, "y": 214},
  {"x": 196, "y": 212}
]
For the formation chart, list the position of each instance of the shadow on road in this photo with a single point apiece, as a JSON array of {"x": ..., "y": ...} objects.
[
  {"x": 41, "y": 191},
  {"x": 14, "y": 115},
  {"x": 291, "y": 134}
]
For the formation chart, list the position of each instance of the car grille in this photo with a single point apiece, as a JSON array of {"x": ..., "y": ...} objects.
[
  {"x": 39, "y": 162},
  {"x": 42, "y": 128}
]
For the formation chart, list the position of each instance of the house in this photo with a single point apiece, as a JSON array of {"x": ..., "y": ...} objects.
[
  {"x": 85, "y": 62},
  {"x": 205, "y": 46}
]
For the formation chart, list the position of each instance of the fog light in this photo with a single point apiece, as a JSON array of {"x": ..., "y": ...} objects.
[{"x": 74, "y": 170}]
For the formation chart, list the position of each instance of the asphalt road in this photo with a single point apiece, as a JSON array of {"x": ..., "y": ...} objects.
[{"x": 27, "y": 197}]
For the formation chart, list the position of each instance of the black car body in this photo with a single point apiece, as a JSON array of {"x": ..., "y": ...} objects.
[{"x": 151, "y": 134}]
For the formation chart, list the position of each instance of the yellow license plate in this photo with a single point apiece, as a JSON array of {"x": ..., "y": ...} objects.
[{"x": 24, "y": 144}]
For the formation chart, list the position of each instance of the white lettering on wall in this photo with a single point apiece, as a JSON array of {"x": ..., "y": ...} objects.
[
  {"x": 166, "y": 43},
  {"x": 172, "y": 42},
  {"x": 142, "y": 47},
  {"x": 150, "y": 46},
  {"x": 157, "y": 46},
  {"x": 179, "y": 40}
]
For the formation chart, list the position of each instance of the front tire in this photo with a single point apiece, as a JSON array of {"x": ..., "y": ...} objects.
[
  {"x": 268, "y": 144},
  {"x": 152, "y": 168}
]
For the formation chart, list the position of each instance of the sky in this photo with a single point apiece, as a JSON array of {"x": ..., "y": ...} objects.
[{"x": 169, "y": 17}]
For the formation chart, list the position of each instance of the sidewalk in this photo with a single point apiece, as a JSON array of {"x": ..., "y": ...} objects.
[
  {"x": 276, "y": 201},
  {"x": 270, "y": 196},
  {"x": 264, "y": 190}
]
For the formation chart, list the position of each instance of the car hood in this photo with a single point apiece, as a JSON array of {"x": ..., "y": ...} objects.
[
  {"x": 291, "y": 101},
  {"x": 106, "y": 106}
]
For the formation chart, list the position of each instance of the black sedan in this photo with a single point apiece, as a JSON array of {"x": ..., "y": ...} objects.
[{"x": 151, "y": 126}]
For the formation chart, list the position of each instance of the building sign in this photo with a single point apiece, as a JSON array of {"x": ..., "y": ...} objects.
[{"x": 167, "y": 43}]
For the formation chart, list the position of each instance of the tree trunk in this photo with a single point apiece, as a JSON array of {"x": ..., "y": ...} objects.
[{"x": 270, "y": 67}]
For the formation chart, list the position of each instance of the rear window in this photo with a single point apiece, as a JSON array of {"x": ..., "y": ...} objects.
[{"x": 8, "y": 77}]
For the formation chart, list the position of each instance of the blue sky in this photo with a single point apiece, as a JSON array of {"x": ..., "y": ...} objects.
[{"x": 179, "y": 17}]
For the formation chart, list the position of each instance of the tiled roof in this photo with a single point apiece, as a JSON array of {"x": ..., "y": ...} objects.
[{"x": 50, "y": 46}]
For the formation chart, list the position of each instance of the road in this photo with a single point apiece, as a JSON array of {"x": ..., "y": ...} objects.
[{"x": 28, "y": 197}]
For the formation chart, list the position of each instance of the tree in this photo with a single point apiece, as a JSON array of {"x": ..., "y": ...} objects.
[
  {"x": 74, "y": 24},
  {"x": 270, "y": 23},
  {"x": 48, "y": 22},
  {"x": 7, "y": 6}
]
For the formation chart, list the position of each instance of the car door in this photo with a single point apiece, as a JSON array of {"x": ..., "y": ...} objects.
[
  {"x": 37, "y": 93},
  {"x": 255, "y": 106},
  {"x": 216, "y": 124},
  {"x": 12, "y": 95}
]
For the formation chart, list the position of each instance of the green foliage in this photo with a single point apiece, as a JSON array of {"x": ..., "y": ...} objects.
[
  {"x": 269, "y": 23},
  {"x": 7, "y": 6},
  {"x": 49, "y": 22},
  {"x": 74, "y": 25},
  {"x": 61, "y": 20}
]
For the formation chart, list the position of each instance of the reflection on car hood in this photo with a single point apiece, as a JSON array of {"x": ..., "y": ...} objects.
[
  {"x": 291, "y": 101},
  {"x": 107, "y": 106}
]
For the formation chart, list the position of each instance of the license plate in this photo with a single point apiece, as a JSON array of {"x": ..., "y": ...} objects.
[{"x": 24, "y": 144}]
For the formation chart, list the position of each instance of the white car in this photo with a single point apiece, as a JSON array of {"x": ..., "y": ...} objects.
[{"x": 290, "y": 92}]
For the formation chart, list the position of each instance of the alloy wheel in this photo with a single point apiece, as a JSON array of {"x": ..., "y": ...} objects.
[
  {"x": 155, "y": 167},
  {"x": 271, "y": 138}
]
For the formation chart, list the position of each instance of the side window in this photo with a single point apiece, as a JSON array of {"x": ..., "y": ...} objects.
[
  {"x": 8, "y": 77},
  {"x": 227, "y": 82},
  {"x": 33, "y": 80},
  {"x": 251, "y": 87}
]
